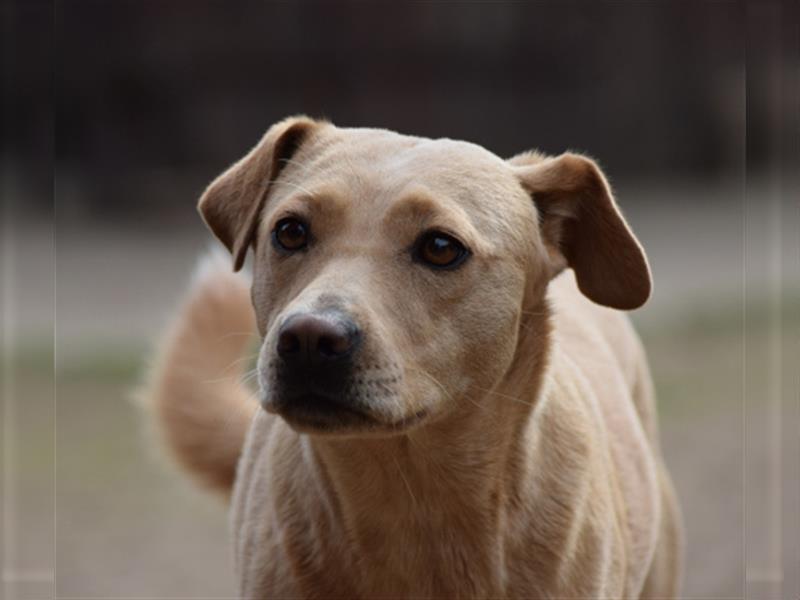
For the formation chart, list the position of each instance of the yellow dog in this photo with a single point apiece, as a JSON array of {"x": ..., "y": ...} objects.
[{"x": 443, "y": 414}]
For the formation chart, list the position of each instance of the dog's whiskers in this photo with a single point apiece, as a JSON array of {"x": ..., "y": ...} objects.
[
  {"x": 242, "y": 359},
  {"x": 249, "y": 376},
  {"x": 405, "y": 481},
  {"x": 506, "y": 396},
  {"x": 226, "y": 377}
]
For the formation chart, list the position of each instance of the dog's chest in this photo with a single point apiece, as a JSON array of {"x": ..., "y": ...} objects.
[{"x": 291, "y": 542}]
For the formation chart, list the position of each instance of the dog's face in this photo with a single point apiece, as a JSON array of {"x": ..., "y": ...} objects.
[
  {"x": 391, "y": 273},
  {"x": 384, "y": 278}
]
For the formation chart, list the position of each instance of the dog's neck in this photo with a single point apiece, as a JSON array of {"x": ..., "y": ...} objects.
[{"x": 441, "y": 489}]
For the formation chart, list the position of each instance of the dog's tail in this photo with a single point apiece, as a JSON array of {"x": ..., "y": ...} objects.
[{"x": 195, "y": 394}]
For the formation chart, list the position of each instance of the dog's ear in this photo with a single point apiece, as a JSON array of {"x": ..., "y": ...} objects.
[
  {"x": 232, "y": 204},
  {"x": 582, "y": 228}
]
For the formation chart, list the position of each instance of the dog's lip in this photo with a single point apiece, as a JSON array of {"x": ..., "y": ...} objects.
[
  {"x": 324, "y": 412},
  {"x": 314, "y": 405}
]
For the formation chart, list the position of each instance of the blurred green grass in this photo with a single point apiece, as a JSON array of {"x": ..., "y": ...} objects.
[{"x": 708, "y": 358}]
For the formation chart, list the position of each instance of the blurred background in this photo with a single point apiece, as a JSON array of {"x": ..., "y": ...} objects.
[{"x": 117, "y": 114}]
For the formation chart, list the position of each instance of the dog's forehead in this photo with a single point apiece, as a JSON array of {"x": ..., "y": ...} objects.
[
  {"x": 385, "y": 163},
  {"x": 387, "y": 144}
]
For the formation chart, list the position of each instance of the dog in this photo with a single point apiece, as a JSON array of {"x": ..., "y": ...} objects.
[{"x": 452, "y": 403}]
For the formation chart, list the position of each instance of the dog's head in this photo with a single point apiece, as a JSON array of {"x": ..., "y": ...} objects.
[{"x": 392, "y": 273}]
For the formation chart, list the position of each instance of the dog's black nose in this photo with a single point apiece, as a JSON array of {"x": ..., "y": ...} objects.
[
  {"x": 312, "y": 340},
  {"x": 316, "y": 359}
]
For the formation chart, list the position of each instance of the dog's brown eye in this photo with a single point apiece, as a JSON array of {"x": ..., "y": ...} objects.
[
  {"x": 439, "y": 250},
  {"x": 290, "y": 234}
]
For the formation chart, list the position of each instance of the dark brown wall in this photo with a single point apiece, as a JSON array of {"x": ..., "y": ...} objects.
[{"x": 147, "y": 90}]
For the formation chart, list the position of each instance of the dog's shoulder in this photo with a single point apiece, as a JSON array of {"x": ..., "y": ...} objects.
[{"x": 583, "y": 327}]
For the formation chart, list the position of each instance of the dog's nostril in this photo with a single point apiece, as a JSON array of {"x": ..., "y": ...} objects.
[
  {"x": 288, "y": 343},
  {"x": 334, "y": 345}
]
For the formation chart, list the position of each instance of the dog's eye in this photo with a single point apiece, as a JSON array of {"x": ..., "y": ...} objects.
[
  {"x": 439, "y": 250},
  {"x": 290, "y": 234}
]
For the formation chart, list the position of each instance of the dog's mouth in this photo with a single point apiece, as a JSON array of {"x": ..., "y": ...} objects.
[
  {"x": 310, "y": 407},
  {"x": 313, "y": 412}
]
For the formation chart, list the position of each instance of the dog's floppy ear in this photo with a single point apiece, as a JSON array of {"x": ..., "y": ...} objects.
[
  {"x": 583, "y": 228},
  {"x": 233, "y": 202}
]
